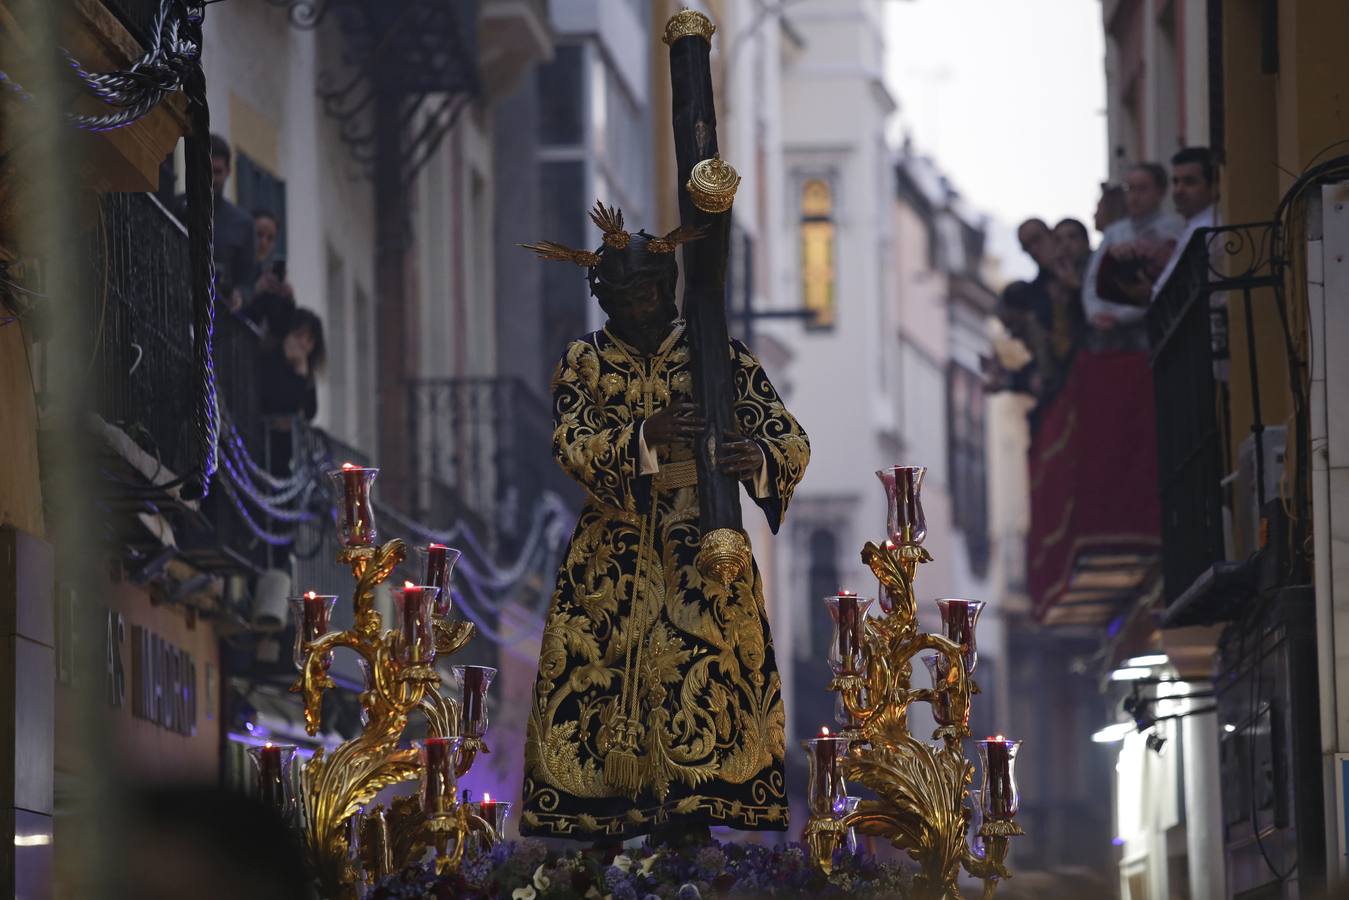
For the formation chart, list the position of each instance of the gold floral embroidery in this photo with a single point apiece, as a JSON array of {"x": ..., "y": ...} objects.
[{"x": 702, "y": 681}]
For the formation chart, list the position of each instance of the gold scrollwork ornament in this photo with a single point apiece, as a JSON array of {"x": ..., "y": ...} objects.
[
  {"x": 724, "y": 555},
  {"x": 712, "y": 185},
  {"x": 688, "y": 23}
]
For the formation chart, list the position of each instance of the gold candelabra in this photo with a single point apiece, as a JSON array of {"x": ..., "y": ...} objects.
[
  {"x": 920, "y": 789},
  {"x": 346, "y": 845}
]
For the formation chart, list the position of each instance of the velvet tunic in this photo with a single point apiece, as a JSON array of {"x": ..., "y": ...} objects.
[{"x": 638, "y": 651}]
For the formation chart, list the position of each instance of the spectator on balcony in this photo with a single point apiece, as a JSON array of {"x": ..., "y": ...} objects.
[
  {"x": 273, "y": 302},
  {"x": 287, "y": 373},
  {"x": 266, "y": 227},
  {"x": 235, "y": 245},
  {"x": 1110, "y": 206},
  {"x": 1131, "y": 256},
  {"x": 1053, "y": 302},
  {"x": 1075, "y": 244},
  {"x": 1194, "y": 191}
]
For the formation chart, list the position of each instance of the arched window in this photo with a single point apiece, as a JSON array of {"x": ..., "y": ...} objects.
[{"x": 817, "y": 251}]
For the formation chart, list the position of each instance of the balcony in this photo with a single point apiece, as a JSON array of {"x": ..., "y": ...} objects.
[
  {"x": 1224, "y": 529},
  {"x": 1094, "y": 533},
  {"x": 512, "y": 36},
  {"x": 482, "y": 449}
]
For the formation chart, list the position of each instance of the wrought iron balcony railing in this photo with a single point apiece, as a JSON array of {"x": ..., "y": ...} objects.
[
  {"x": 1187, "y": 328},
  {"x": 140, "y": 322},
  {"x": 487, "y": 440}
]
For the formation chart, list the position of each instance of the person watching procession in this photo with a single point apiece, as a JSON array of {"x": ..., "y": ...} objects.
[
  {"x": 1194, "y": 191},
  {"x": 273, "y": 302},
  {"x": 1110, "y": 206},
  {"x": 1132, "y": 253},
  {"x": 235, "y": 243}
]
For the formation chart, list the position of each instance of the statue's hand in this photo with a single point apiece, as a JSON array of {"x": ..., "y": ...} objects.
[
  {"x": 677, "y": 423},
  {"x": 739, "y": 457}
]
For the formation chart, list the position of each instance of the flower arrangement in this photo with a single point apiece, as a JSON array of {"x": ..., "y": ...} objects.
[{"x": 527, "y": 870}]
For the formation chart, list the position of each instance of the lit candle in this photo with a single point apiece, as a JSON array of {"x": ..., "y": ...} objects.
[
  {"x": 416, "y": 637},
  {"x": 273, "y": 762},
  {"x": 827, "y": 790},
  {"x": 356, "y": 520},
  {"x": 959, "y": 618},
  {"x": 848, "y": 612},
  {"x": 494, "y": 813},
  {"x": 312, "y": 612},
  {"x": 474, "y": 682},
  {"x": 904, "y": 519},
  {"x": 438, "y": 777},
  {"x": 999, "y": 791},
  {"x": 440, "y": 562}
]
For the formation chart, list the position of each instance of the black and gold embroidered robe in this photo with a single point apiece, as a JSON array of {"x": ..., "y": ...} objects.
[{"x": 635, "y": 638}]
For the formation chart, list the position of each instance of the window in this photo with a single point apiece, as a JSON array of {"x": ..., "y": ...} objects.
[
  {"x": 258, "y": 189},
  {"x": 968, "y": 467},
  {"x": 817, "y": 251},
  {"x": 561, "y": 99}
]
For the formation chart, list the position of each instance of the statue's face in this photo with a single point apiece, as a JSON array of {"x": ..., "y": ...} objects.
[{"x": 642, "y": 314}]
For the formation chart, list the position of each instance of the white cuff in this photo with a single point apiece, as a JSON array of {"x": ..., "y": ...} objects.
[
  {"x": 761, "y": 486},
  {"x": 647, "y": 464}
]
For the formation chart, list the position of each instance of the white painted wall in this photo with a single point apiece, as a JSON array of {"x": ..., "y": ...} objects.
[{"x": 253, "y": 55}]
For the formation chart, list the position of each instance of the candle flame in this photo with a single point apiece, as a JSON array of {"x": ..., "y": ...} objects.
[
  {"x": 311, "y": 595},
  {"x": 347, "y": 465},
  {"x": 824, "y": 731},
  {"x": 486, "y": 797},
  {"x": 407, "y": 585}
]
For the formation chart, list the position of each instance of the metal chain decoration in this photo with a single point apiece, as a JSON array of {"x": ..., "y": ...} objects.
[{"x": 920, "y": 789}]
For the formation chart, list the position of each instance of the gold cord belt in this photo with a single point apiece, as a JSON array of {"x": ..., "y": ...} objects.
[{"x": 672, "y": 476}]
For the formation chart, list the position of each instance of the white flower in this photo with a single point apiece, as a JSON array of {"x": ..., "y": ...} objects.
[
  {"x": 525, "y": 893},
  {"x": 541, "y": 881},
  {"x": 644, "y": 867},
  {"x": 624, "y": 862}
]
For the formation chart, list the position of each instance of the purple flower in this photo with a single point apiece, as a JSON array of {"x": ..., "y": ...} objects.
[{"x": 709, "y": 861}]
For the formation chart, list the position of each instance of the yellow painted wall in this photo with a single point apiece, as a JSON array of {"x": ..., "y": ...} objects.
[{"x": 1275, "y": 125}]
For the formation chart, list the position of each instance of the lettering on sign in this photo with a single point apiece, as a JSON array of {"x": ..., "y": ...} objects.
[
  {"x": 163, "y": 682},
  {"x": 114, "y": 675}
]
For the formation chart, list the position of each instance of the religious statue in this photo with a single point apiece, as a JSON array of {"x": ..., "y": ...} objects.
[{"x": 658, "y": 706}]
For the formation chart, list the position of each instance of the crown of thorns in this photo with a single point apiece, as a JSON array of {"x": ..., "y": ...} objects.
[{"x": 610, "y": 221}]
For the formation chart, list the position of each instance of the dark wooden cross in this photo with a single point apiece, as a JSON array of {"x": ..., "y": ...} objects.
[{"x": 695, "y": 138}]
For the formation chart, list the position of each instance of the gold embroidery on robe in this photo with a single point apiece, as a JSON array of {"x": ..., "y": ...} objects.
[{"x": 692, "y": 661}]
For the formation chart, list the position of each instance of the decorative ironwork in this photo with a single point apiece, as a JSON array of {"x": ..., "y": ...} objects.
[
  {"x": 308, "y": 14},
  {"x": 486, "y": 441},
  {"x": 1187, "y": 331},
  {"x": 419, "y": 56}
]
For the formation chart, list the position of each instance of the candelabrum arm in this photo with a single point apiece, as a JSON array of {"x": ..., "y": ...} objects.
[
  {"x": 991, "y": 867},
  {"x": 957, "y": 685},
  {"x": 371, "y": 568},
  {"x": 451, "y": 637},
  {"x": 314, "y": 678}
]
